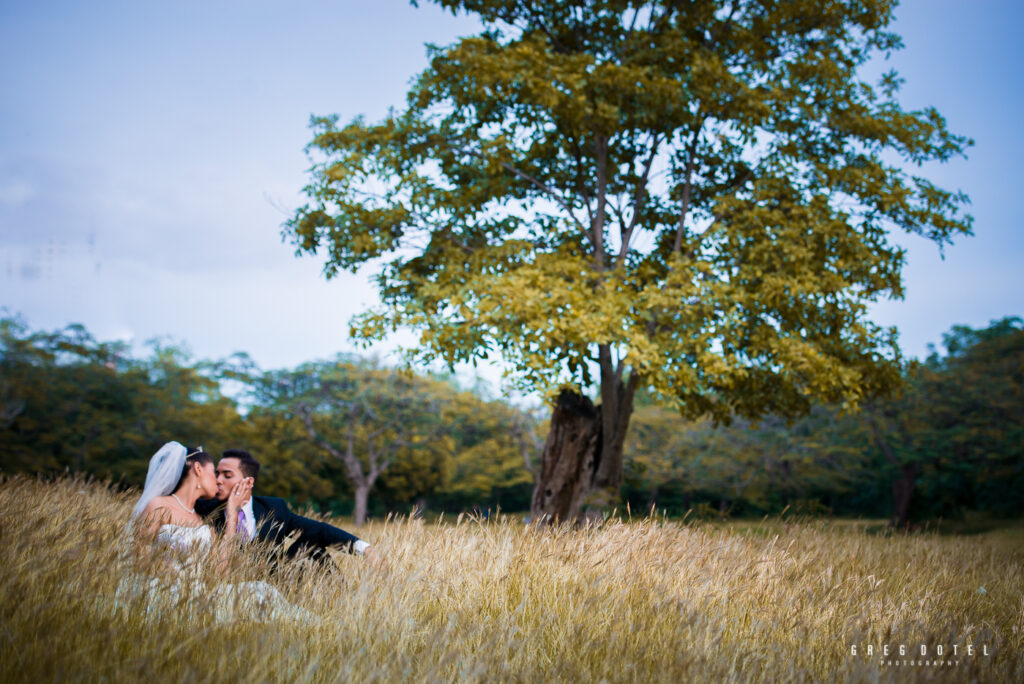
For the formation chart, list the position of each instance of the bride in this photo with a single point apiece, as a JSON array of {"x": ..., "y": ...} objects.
[
  {"x": 177, "y": 479},
  {"x": 175, "y": 543}
]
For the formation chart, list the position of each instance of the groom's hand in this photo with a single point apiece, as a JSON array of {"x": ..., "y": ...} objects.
[{"x": 376, "y": 561}]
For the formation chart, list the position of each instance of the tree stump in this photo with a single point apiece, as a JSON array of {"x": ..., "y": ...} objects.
[{"x": 569, "y": 460}]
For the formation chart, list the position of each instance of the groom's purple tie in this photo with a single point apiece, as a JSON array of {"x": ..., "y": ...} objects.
[{"x": 240, "y": 528}]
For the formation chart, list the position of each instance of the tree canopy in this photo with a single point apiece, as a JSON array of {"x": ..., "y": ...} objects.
[
  {"x": 692, "y": 197},
  {"x": 699, "y": 192}
]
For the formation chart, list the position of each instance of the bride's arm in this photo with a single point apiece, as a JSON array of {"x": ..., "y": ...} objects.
[
  {"x": 236, "y": 499},
  {"x": 149, "y": 521},
  {"x": 147, "y": 525}
]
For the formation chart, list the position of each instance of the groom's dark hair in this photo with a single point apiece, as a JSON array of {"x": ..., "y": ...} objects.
[{"x": 249, "y": 466}]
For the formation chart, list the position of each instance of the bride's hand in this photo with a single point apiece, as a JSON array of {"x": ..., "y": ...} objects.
[{"x": 240, "y": 493}]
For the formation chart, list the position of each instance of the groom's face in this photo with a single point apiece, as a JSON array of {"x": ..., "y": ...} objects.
[{"x": 229, "y": 473}]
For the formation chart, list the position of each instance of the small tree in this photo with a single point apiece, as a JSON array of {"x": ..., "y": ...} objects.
[
  {"x": 490, "y": 441},
  {"x": 693, "y": 197},
  {"x": 363, "y": 416}
]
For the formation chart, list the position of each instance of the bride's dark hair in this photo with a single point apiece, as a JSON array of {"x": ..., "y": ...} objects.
[{"x": 195, "y": 455}]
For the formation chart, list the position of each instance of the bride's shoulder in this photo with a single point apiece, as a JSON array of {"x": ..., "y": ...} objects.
[
  {"x": 159, "y": 504},
  {"x": 162, "y": 511},
  {"x": 155, "y": 515}
]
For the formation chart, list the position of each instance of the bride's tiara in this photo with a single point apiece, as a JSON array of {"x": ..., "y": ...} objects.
[{"x": 199, "y": 450}]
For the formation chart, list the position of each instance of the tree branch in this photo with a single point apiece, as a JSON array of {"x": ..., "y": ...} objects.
[
  {"x": 547, "y": 190},
  {"x": 348, "y": 458},
  {"x": 632, "y": 23},
  {"x": 883, "y": 444},
  {"x": 687, "y": 188},
  {"x": 639, "y": 201},
  {"x": 597, "y": 227},
  {"x": 581, "y": 185}
]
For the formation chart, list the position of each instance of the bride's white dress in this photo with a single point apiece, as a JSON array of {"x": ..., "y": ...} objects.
[{"x": 181, "y": 590}]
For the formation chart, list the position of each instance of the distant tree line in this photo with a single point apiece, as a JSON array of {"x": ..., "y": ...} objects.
[
  {"x": 326, "y": 433},
  {"x": 951, "y": 440},
  {"x": 348, "y": 435}
]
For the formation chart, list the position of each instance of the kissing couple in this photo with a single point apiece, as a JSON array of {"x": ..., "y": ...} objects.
[{"x": 192, "y": 514}]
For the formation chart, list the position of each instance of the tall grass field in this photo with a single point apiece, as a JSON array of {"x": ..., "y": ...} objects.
[{"x": 466, "y": 600}]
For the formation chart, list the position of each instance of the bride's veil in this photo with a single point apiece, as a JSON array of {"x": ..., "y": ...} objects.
[{"x": 165, "y": 470}]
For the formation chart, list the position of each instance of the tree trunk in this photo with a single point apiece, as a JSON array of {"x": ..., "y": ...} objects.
[
  {"x": 902, "y": 490},
  {"x": 903, "y": 486},
  {"x": 616, "y": 409},
  {"x": 361, "y": 483},
  {"x": 581, "y": 465},
  {"x": 652, "y": 500},
  {"x": 362, "y": 496},
  {"x": 568, "y": 460}
]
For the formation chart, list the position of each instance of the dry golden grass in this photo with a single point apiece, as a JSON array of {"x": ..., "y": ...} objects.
[{"x": 639, "y": 601}]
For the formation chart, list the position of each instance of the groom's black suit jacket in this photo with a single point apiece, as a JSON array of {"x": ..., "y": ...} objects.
[{"x": 275, "y": 523}]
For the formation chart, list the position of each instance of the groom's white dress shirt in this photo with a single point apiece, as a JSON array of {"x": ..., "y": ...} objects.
[{"x": 250, "y": 521}]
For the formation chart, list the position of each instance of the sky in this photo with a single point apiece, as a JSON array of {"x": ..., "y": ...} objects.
[{"x": 149, "y": 153}]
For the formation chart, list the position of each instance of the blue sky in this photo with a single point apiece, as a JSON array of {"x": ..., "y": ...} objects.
[{"x": 149, "y": 153}]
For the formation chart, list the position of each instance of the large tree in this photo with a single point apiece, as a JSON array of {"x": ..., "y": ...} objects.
[{"x": 692, "y": 196}]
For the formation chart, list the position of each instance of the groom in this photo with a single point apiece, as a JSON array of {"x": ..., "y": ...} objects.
[{"x": 269, "y": 519}]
